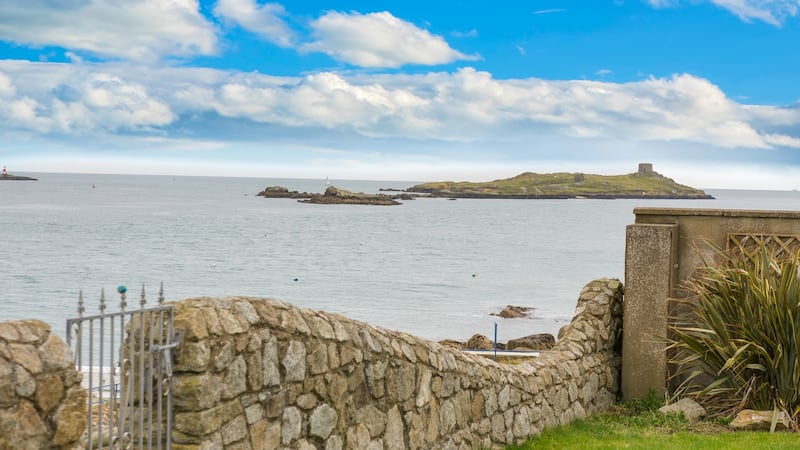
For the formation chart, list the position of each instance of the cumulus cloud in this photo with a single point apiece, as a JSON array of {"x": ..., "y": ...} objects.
[
  {"x": 264, "y": 20},
  {"x": 782, "y": 140},
  {"x": 63, "y": 99},
  {"x": 139, "y": 30},
  {"x": 7, "y": 88},
  {"x": 378, "y": 40},
  {"x": 464, "y": 106},
  {"x": 773, "y": 12}
]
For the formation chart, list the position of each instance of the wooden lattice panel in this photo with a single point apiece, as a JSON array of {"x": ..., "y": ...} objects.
[{"x": 750, "y": 244}]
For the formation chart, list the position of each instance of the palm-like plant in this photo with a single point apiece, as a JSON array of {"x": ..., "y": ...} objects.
[{"x": 735, "y": 339}]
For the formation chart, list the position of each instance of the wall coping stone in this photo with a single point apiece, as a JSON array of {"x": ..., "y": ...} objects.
[{"x": 644, "y": 211}]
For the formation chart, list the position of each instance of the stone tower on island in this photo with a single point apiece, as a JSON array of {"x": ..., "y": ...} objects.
[{"x": 645, "y": 170}]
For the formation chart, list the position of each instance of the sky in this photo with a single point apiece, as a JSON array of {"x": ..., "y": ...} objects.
[{"x": 706, "y": 90}]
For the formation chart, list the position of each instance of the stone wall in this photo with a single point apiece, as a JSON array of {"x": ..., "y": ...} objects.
[
  {"x": 42, "y": 404},
  {"x": 261, "y": 374}
]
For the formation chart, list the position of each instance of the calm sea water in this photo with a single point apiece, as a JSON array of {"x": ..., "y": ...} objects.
[{"x": 431, "y": 267}]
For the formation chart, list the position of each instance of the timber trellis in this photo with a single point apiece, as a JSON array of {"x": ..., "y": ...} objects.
[{"x": 126, "y": 361}]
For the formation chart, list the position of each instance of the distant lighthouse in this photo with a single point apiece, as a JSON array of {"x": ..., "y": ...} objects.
[{"x": 5, "y": 176}]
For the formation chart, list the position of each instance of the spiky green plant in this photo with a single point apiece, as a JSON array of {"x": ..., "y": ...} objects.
[{"x": 736, "y": 338}]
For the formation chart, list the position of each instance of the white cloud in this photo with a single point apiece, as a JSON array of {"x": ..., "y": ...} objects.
[
  {"x": 7, "y": 88},
  {"x": 378, "y": 40},
  {"x": 469, "y": 105},
  {"x": 264, "y": 20},
  {"x": 25, "y": 113},
  {"x": 72, "y": 100},
  {"x": 662, "y": 3},
  {"x": 773, "y": 12},
  {"x": 139, "y": 30},
  {"x": 473, "y": 33},
  {"x": 782, "y": 140},
  {"x": 464, "y": 106}
]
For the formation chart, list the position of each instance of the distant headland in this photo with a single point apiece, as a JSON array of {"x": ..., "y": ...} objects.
[
  {"x": 645, "y": 183},
  {"x": 7, "y": 176}
]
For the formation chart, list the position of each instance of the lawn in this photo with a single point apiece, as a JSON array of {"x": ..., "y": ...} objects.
[{"x": 643, "y": 427}]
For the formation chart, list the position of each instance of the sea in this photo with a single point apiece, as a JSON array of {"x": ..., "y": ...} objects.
[{"x": 431, "y": 267}]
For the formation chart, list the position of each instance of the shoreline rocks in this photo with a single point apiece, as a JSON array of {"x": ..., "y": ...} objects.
[
  {"x": 282, "y": 192},
  {"x": 541, "y": 341},
  {"x": 336, "y": 196},
  {"x": 513, "y": 312}
]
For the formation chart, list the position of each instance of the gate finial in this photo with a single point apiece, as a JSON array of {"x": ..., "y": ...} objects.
[
  {"x": 102, "y": 301},
  {"x": 122, "y": 289},
  {"x": 81, "y": 309},
  {"x": 143, "y": 299}
]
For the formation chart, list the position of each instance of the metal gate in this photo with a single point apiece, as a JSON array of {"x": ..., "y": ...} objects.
[{"x": 126, "y": 361}]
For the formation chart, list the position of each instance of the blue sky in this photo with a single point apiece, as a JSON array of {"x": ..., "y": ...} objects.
[{"x": 706, "y": 90}]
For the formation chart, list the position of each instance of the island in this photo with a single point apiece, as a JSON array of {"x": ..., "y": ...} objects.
[
  {"x": 335, "y": 196},
  {"x": 645, "y": 183},
  {"x": 7, "y": 176}
]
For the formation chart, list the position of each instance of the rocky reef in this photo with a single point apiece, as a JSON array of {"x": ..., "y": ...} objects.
[
  {"x": 540, "y": 341},
  {"x": 335, "y": 196},
  {"x": 282, "y": 192}
]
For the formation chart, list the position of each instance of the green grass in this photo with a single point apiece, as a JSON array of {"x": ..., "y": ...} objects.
[
  {"x": 599, "y": 434},
  {"x": 639, "y": 425}
]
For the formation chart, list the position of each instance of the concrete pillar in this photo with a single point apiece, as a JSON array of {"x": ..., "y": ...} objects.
[{"x": 650, "y": 271}]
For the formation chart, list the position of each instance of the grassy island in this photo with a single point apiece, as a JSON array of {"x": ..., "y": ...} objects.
[{"x": 645, "y": 183}]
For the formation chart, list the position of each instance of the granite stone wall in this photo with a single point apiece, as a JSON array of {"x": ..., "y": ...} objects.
[
  {"x": 42, "y": 404},
  {"x": 261, "y": 374}
]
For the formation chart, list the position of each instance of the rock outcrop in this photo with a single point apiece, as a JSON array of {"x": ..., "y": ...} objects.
[
  {"x": 481, "y": 342},
  {"x": 542, "y": 341},
  {"x": 282, "y": 192},
  {"x": 513, "y": 312},
  {"x": 336, "y": 196}
]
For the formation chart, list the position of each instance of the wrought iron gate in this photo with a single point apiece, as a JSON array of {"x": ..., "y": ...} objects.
[{"x": 126, "y": 361}]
